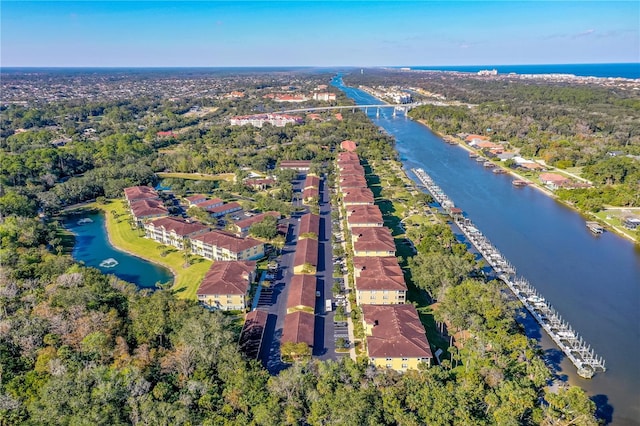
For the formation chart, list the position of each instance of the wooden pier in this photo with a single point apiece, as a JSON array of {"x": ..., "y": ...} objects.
[{"x": 568, "y": 340}]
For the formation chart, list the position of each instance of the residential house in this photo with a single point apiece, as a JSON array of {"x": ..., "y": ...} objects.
[
  {"x": 379, "y": 281},
  {"x": 309, "y": 226},
  {"x": 324, "y": 96},
  {"x": 220, "y": 245},
  {"x": 252, "y": 331},
  {"x": 298, "y": 328},
  {"x": 226, "y": 285},
  {"x": 305, "y": 260},
  {"x": 364, "y": 216},
  {"x": 302, "y": 293},
  {"x": 357, "y": 197},
  {"x": 243, "y": 226},
  {"x": 194, "y": 200},
  {"x": 553, "y": 180},
  {"x": 348, "y": 145},
  {"x": 173, "y": 231},
  {"x": 299, "y": 165},
  {"x": 139, "y": 193},
  {"x": 395, "y": 337},
  {"x": 224, "y": 209},
  {"x": 147, "y": 209},
  {"x": 373, "y": 241}
]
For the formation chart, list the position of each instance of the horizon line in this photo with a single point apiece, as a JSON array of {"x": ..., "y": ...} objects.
[{"x": 301, "y": 66}]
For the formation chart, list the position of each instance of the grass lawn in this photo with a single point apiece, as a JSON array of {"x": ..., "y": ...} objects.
[
  {"x": 186, "y": 280},
  {"x": 197, "y": 176}
]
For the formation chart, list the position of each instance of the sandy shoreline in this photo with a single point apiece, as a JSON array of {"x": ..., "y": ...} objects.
[{"x": 537, "y": 186}]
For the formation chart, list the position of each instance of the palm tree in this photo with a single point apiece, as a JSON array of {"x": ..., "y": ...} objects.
[{"x": 186, "y": 250}]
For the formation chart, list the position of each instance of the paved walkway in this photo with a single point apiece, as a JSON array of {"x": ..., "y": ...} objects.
[{"x": 254, "y": 305}]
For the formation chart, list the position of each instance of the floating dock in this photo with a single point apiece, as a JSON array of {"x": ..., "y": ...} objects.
[{"x": 573, "y": 346}]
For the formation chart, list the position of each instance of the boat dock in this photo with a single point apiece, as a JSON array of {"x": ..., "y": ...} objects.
[{"x": 573, "y": 346}]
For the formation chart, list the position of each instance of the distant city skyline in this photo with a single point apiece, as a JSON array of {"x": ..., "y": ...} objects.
[{"x": 227, "y": 34}]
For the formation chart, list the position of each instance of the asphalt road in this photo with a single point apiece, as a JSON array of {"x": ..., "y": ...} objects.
[{"x": 324, "y": 340}]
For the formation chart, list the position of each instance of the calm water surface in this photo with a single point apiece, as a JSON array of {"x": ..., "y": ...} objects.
[
  {"x": 593, "y": 281},
  {"x": 93, "y": 248}
]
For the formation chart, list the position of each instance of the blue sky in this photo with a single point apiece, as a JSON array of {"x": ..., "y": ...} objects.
[{"x": 315, "y": 33}]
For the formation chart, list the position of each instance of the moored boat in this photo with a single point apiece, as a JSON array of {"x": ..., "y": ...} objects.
[
  {"x": 488, "y": 165},
  {"x": 519, "y": 183},
  {"x": 595, "y": 227},
  {"x": 499, "y": 171},
  {"x": 473, "y": 155}
]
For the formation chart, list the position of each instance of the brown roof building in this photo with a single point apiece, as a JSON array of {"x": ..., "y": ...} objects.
[
  {"x": 138, "y": 193},
  {"x": 220, "y": 245},
  {"x": 373, "y": 241},
  {"x": 147, "y": 209},
  {"x": 364, "y": 216},
  {"x": 302, "y": 293},
  {"x": 173, "y": 231},
  {"x": 348, "y": 145},
  {"x": 379, "y": 280},
  {"x": 305, "y": 260},
  {"x": 310, "y": 194},
  {"x": 243, "y": 225},
  {"x": 348, "y": 156},
  {"x": 252, "y": 332},
  {"x": 309, "y": 224},
  {"x": 352, "y": 181},
  {"x": 311, "y": 181},
  {"x": 395, "y": 336},
  {"x": 196, "y": 199},
  {"x": 208, "y": 205},
  {"x": 350, "y": 169},
  {"x": 300, "y": 165},
  {"x": 357, "y": 196},
  {"x": 298, "y": 327},
  {"x": 224, "y": 209},
  {"x": 226, "y": 284}
]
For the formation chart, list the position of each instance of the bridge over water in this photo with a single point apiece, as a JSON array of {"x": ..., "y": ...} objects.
[{"x": 404, "y": 108}]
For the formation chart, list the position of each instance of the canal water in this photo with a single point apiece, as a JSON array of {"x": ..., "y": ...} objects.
[
  {"x": 593, "y": 281},
  {"x": 94, "y": 249}
]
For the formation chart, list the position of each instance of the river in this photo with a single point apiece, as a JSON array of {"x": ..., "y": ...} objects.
[
  {"x": 593, "y": 281},
  {"x": 92, "y": 247}
]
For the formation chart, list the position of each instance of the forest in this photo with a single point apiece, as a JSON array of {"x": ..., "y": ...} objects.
[{"x": 79, "y": 347}]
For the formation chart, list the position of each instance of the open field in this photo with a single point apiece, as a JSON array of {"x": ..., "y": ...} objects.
[{"x": 229, "y": 177}]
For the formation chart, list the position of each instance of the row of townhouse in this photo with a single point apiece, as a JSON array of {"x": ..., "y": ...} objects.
[
  {"x": 215, "y": 207},
  {"x": 395, "y": 336},
  {"x": 299, "y": 322},
  {"x": 144, "y": 203},
  {"x": 226, "y": 285},
  {"x": 311, "y": 189},
  {"x": 210, "y": 244}
]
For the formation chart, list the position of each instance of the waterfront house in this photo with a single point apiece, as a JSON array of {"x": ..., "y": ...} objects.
[
  {"x": 553, "y": 180},
  {"x": 395, "y": 337},
  {"x": 631, "y": 222},
  {"x": 139, "y": 193},
  {"x": 298, "y": 328},
  {"x": 373, "y": 241},
  {"x": 379, "y": 281},
  {"x": 220, "y": 245},
  {"x": 226, "y": 285},
  {"x": 302, "y": 294},
  {"x": 305, "y": 260},
  {"x": 173, "y": 231},
  {"x": 147, "y": 209}
]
